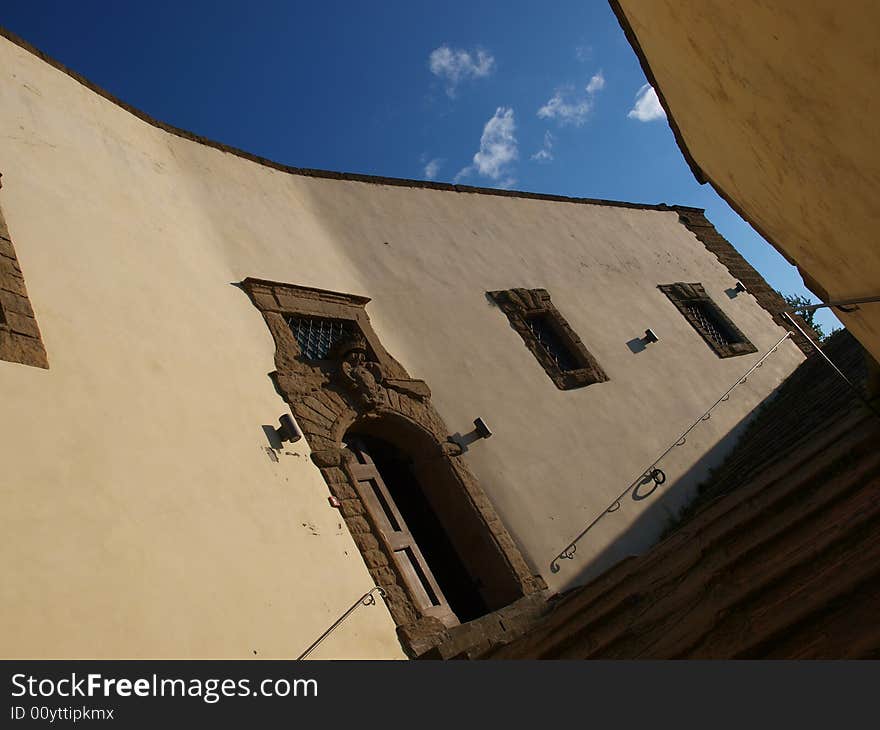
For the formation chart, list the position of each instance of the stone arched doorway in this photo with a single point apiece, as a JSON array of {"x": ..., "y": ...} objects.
[
  {"x": 355, "y": 404},
  {"x": 434, "y": 572}
]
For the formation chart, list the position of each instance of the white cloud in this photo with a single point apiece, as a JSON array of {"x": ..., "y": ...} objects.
[
  {"x": 498, "y": 149},
  {"x": 545, "y": 154},
  {"x": 558, "y": 107},
  {"x": 566, "y": 106},
  {"x": 432, "y": 168},
  {"x": 647, "y": 107},
  {"x": 597, "y": 83},
  {"x": 456, "y": 65}
]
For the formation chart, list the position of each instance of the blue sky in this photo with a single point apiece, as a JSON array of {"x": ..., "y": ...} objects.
[{"x": 542, "y": 97}]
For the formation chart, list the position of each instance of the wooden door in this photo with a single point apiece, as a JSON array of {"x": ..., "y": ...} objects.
[{"x": 389, "y": 523}]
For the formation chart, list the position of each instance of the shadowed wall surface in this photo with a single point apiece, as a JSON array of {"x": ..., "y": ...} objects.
[{"x": 782, "y": 563}]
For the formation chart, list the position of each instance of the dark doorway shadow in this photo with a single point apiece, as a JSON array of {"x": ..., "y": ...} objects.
[{"x": 397, "y": 471}]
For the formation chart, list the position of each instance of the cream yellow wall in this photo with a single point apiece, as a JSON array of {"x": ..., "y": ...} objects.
[
  {"x": 777, "y": 104},
  {"x": 141, "y": 515}
]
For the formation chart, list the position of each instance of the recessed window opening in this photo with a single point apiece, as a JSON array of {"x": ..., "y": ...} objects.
[
  {"x": 545, "y": 332},
  {"x": 317, "y": 335},
  {"x": 555, "y": 345},
  {"x": 715, "y": 328},
  {"x": 707, "y": 318}
]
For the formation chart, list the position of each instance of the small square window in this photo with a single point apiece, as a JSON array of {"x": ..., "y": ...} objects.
[
  {"x": 550, "y": 338},
  {"x": 316, "y": 336},
  {"x": 714, "y": 326}
]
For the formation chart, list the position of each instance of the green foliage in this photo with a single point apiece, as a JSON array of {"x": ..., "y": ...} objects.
[{"x": 797, "y": 303}]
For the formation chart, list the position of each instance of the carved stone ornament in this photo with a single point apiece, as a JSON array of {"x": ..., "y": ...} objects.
[
  {"x": 360, "y": 388},
  {"x": 358, "y": 374}
]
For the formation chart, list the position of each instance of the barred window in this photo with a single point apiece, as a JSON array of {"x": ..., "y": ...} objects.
[
  {"x": 706, "y": 317},
  {"x": 316, "y": 336},
  {"x": 549, "y": 337},
  {"x": 541, "y": 326}
]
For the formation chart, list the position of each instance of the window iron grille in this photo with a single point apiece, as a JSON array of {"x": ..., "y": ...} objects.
[
  {"x": 552, "y": 343},
  {"x": 708, "y": 319},
  {"x": 316, "y": 336},
  {"x": 715, "y": 329},
  {"x": 549, "y": 337}
]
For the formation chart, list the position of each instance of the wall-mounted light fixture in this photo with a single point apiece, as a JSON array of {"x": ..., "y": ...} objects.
[
  {"x": 288, "y": 431},
  {"x": 740, "y": 287},
  {"x": 481, "y": 431},
  {"x": 650, "y": 336}
]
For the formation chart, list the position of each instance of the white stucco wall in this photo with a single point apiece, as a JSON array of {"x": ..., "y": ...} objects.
[{"x": 141, "y": 515}]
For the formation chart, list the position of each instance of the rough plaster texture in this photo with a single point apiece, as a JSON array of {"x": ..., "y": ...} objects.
[
  {"x": 774, "y": 103},
  {"x": 141, "y": 514}
]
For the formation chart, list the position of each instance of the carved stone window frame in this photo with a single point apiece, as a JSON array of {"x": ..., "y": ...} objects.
[
  {"x": 520, "y": 305},
  {"x": 284, "y": 300},
  {"x": 682, "y": 294},
  {"x": 20, "y": 339},
  {"x": 326, "y": 411}
]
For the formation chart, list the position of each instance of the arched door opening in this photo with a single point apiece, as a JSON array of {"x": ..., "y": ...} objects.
[
  {"x": 341, "y": 383},
  {"x": 433, "y": 571}
]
